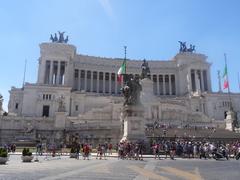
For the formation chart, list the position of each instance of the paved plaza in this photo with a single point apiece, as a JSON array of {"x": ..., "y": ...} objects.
[{"x": 113, "y": 169}]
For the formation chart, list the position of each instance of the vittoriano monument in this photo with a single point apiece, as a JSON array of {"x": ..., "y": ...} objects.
[{"x": 132, "y": 115}]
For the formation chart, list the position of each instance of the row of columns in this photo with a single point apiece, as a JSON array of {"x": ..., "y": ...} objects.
[
  {"x": 200, "y": 81},
  {"x": 116, "y": 89},
  {"x": 164, "y": 84},
  {"x": 51, "y": 79},
  {"x": 116, "y": 84}
]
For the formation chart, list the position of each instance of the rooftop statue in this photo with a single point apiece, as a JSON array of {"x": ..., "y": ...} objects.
[
  {"x": 145, "y": 69},
  {"x": 51, "y": 38},
  {"x": 183, "y": 47},
  {"x": 55, "y": 37},
  {"x": 131, "y": 90},
  {"x": 192, "y": 48},
  {"x": 66, "y": 40},
  {"x": 60, "y": 38}
]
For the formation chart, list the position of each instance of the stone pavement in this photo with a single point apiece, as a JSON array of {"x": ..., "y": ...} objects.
[{"x": 113, "y": 169}]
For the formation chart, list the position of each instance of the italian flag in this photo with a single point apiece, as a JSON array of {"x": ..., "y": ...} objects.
[
  {"x": 121, "y": 71},
  {"x": 225, "y": 77}
]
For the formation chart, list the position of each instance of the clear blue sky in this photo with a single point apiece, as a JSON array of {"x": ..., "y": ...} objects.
[{"x": 150, "y": 28}]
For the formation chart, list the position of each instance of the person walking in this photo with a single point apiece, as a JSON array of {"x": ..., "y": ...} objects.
[{"x": 77, "y": 151}]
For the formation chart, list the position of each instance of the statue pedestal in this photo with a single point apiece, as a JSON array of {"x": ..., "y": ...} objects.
[
  {"x": 147, "y": 95},
  {"x": 230, "y": 121},
  {"x": 60, "y": 120},
  {"x": 133, "y": 120}
]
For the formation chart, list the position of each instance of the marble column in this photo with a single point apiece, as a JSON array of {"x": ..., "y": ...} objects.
[
  {"x": 85, "y": 81},
  {"x": 110, "y": 83},
  {"x": 202, "y": 83},
  {"x": 58, "y": 72},
  {"x": 175, "y": 84},
  {"x": 104, "y": 81},
  {"x": 189, "y": 81},
  {"x": 164, "y": 87},
  {"x": 79, "y": 80},
  {"x": 97, "y": 82},
  {"x": 170, "y": 85},
  {"x": 208, "y": 81},
  {"x": 197, "y": 78},
  {"x": 158, "y": 84},
  {"x": 91, "y": 86},
  {"x": 65, "y": 74},
  {"x": 51, "y": 73}
]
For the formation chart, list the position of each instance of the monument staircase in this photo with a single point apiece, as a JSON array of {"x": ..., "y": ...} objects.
[
  {"x": 193, "y": 132},
  {"x": 103, "y": 113},
  {"x": 20, "y": 138}
]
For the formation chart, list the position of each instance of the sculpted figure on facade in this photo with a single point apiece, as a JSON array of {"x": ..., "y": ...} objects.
[
  {"x": 29, "y": 128},
  {"x": 61, "y": 104},
  {"x": 131, "y": 91},
  {"x": 145, "y": 69}
]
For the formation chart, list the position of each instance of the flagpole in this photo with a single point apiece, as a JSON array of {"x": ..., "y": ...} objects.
[
  {"x": 24, "y": 73},
  {"x": 125, "y": 60},
  {"x": 238, "y": 82},
  {"x": 225, "y": 58}
]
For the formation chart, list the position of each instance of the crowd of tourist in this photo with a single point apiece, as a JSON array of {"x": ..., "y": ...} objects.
[
  {"x": 10, "y": 147},
  {"x": 160, "y": 149},
  {"x": 129, "y": 150},
  {"x": 85, "y": 150},
  {"x": 179, "y": 148},
  {"x": 195, "y": 149}
]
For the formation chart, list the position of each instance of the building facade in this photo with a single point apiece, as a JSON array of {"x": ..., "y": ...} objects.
[{"x": 88, "y": 88}]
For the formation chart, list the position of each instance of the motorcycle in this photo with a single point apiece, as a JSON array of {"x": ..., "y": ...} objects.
[{"x": 220, "y": 154}]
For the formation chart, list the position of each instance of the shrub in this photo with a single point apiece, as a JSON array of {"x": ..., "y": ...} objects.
[
  {"x": 3, "y": 152},
  {"x": 73, "y": 150},
  {"x": 26, "y": 152}
]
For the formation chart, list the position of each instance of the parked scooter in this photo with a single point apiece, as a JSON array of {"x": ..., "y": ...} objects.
[{"x": 220, "y": 153}]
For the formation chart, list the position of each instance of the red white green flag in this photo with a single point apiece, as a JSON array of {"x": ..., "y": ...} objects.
[
  {"x": 121, "y": 71},
  {"x": 225, "y": 77}
]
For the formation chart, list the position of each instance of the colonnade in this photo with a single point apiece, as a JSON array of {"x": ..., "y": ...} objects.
[
  {"x": 54, "y": 72},
  {"x": 199, "y": 80},
  {"x": 106, "y": 82}
]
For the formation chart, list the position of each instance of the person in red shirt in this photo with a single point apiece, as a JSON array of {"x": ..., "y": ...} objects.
[
  {"x": 86, "y": 151},
  {"x": 110, "y": 149}
]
